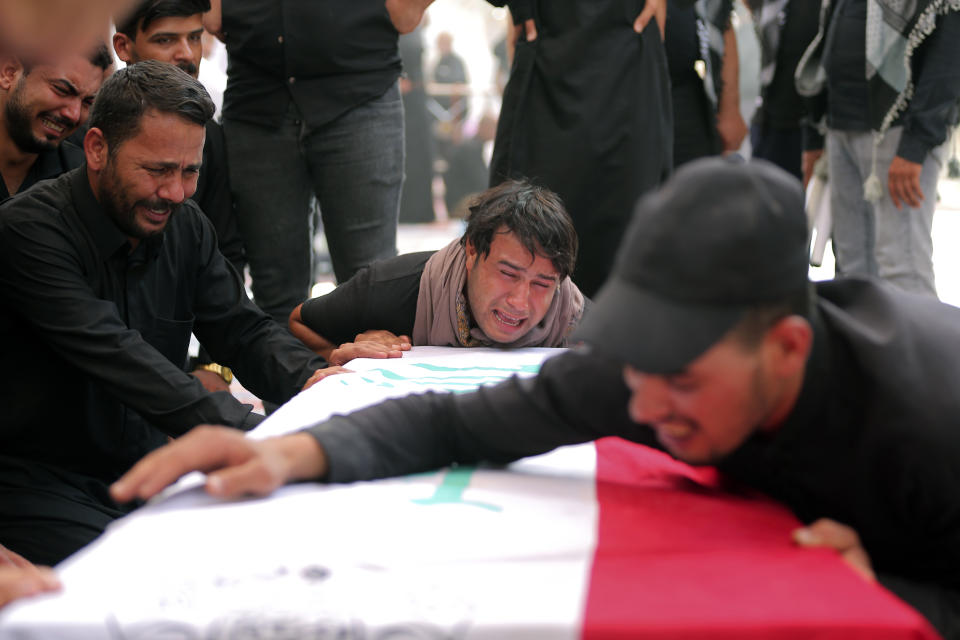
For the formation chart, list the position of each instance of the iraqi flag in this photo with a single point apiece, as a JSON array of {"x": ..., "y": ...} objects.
[{"x": 607, "y": 540}]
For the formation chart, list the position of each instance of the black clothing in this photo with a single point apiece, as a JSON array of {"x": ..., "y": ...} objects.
[
  {"x": 782, "y": 107},
  {"x": 213, "y": 196},
  {"x": 48, "y": 164},
  {"x": 681, "y": 43},
  {"x": 380, "y": 296},
  {"x": 47, "y": 512},
  {"x": 327, "y": 56},
  {"x": 95, "y": 337},
  {"x": 416, "y": 200},
  {"x": 783, "y": 146},
  {"x": 587, "y": 113},
  {"x": 871, "y": 442},
  {"x": 695, "y": 132},
  {"x": 844, "y": 62},
  {"x": 114, "y": 328}
]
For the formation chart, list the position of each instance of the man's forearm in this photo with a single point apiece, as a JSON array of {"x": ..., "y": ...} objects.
[{"x": 406, "y": 14}]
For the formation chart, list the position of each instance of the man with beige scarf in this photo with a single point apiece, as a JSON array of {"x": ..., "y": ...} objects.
[{"x": 506, "y": 282}]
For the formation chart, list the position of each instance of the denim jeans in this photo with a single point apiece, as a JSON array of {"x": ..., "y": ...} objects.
[
  {"x": 879, "y": 239},
  {"x": 354, "y": 167}
]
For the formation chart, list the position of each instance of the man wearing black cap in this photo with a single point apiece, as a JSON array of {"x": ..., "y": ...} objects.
[{"x": 708, "y": 341}]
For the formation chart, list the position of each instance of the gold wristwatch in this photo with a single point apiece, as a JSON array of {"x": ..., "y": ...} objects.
[{"x": 220, "y": 370}]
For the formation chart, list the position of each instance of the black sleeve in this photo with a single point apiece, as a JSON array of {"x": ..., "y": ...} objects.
[
  {"x": 41, "y": 276},
  {"x": 266, "y": 358},
  {"x": 214, "y": 197},
  {"x": 381, "y": 296},
  {"x": 517, "y": 418},
  {"x": 933, "y": 109}
]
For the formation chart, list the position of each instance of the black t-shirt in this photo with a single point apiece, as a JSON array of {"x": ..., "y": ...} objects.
[{"x": 382, "y": 295}]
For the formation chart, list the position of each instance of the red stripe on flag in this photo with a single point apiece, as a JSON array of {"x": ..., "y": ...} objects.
[{"x": 680, "y": 556}]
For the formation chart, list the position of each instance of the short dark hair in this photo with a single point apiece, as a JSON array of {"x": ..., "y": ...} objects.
[
  {"x": 138, "y": 88},
  {"x": 534, "y": 214},
  {"x": 756, "y": 320},
  {"x": 148, "y": 11},
  {"x": 99, "y": 57}
]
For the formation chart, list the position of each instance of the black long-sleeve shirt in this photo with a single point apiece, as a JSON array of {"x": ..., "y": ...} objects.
[
  {"x": 872, "y": 441},
  {"x": 327, "y": 56},
  {"x": 95, "y": 336}
]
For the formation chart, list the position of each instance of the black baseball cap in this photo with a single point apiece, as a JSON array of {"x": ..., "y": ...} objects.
[{"x": 721, "y": 236}]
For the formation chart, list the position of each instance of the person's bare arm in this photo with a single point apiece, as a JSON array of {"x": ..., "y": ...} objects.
[
  {"x": 213, "y": 20},
  {"x": 406, "y": 14},
  {"x": 730, "y": 123},
  {"x": 316, "y": 342},
  {"x": 371, "y": 344},
  {"x": 808, "y": 161}
]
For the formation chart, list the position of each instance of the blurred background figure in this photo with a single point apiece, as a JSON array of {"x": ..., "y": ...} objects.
[
  {"x": 701, "y": 47},
  {"x": 784, "y": 29},
  {"x": 416, "y": 201},
  {"x": 467, "y": 171},
  {"x": 451, "y": 70}
]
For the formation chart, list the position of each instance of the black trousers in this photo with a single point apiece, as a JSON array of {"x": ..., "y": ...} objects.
[
  {"x": 694, "y": 123},
  {"x": 783, "y": 146},
  {"x": 46, "y": 513}
]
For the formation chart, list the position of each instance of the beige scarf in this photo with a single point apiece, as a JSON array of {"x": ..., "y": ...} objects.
[{"x": 443, "y": 316}]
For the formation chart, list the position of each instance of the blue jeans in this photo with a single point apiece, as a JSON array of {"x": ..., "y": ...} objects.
[
  {"x": 880, "y": 240},
  {"x": 354, "y": 167}
]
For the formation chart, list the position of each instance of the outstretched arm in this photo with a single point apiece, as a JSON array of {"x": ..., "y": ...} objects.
[
  {"x": 416, "y": 433},
  {"x": 235, "y": 465}
]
